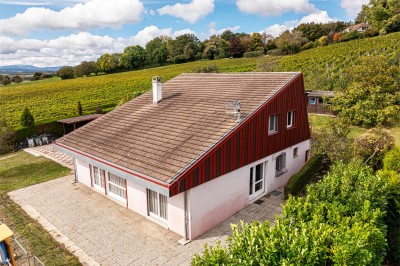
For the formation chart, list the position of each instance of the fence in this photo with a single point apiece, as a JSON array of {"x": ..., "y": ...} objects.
[{"x": 21, "y": 256}]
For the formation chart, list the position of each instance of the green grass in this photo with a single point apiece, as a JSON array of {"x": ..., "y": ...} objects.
[{"x": 18, "y": 170}]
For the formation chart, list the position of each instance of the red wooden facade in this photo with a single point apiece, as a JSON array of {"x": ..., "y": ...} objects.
[{"x": 250, "y": 141}]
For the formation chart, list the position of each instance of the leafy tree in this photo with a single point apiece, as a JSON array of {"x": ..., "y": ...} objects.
[
  {"x": 267, "y": 42},
  {"x": 5, "y": 80},
  {"x": 323, "y": 41},
  {"x": 373, "y": 96},
  {"x": 312, "y": 31},
  {"x": 184, "y": 48},
  {"x": 236, "y": 48},
  {"x": 133, "y": 57},
  {"x": 37, "y": 76},
  {"x": 27, "y": 119},
  {"x": 246, "y": 41},
  {"x": 215, "y": 48},
  {"x": 80, "y": 111},
  {"x": 85, "y": 69},
  {"x": 257, "y": 42},
  {"x": 109, "y": 63},
  {"x": 66, "y": 72},
  {"x": 157, "y": 51},
  {"x": 17, "y": 79},
  {"x": 290, "y": 43},
  {"x": 7, "y": 136},
  {"x": 372, "y": 146},
  {"x": 383, "y": 15},
  {"x": 227, "y": 35},
  {"x": 333, "y": 141}
]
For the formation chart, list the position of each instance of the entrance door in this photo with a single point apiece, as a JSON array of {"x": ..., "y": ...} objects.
[{"x": 256, "y": 180}]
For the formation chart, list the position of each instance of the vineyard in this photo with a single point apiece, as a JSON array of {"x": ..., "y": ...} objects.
[{"x": 49, "y": 101}]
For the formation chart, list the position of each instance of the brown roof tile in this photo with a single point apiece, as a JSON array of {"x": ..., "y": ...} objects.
[{"x": 160, "y": 140}]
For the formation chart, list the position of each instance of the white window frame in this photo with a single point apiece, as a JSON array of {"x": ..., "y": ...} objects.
[
  {"x": 157, "y": 205},
  {"x": 290, "y": 119},
  {"x": 280, "y": 164},
  {"x": 273, "y": 120},
  {"x": 98, "y": 177},
  {"x": 113, "y": 187}
]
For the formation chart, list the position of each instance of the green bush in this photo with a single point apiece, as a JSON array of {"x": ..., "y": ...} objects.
[
  {"x": 299, "y": 180},
  {"x": 391, "y": 161},
  {"x": 339, "y": 222},
  {"x": 253, "y": 54}
]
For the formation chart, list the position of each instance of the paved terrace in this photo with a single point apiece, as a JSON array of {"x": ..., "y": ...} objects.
[{"x": 100, "y": 231}]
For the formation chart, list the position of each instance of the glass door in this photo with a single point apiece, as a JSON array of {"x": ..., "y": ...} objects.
[{"x": 256, "y": 180}]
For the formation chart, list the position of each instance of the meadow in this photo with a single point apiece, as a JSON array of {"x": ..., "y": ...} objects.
[{"x": 51, "y": 100}]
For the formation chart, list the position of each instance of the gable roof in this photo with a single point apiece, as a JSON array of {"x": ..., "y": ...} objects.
[
  {"x": 161, "y": 140},
  {"x": 357, "y": 26}
]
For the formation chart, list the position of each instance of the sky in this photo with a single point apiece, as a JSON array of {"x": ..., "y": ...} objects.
[{"x": 67, "y": 32}]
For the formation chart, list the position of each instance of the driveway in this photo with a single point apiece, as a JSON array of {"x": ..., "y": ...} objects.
[{"x": 100, "y": 231}]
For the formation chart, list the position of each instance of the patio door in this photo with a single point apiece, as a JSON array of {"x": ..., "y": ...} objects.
[{"x": 257, "y": 181}]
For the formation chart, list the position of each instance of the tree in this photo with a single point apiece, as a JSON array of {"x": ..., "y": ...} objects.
[
  {"x": 27, "y": 119},
  {"x": 373, "y": 96},
  {"x": 290, "y": 43},
  {"x": 184, "y": 48},
  {"x": 80, "y": 112},
  {"x": 312, "y": 31},
  {"x": 383, "y": 15},
  {"x": 157, "y": 51},
  {"x": 66, "y": 72},
  {"x": 227, "y": 35},
  {"x": 133, "y": 57},
  {"x": 215, "y": 48},
  {"x": 16, "y": 79},
  {"x": 391, "y": 161},
  {"x": 37, "y": 76},
  {"x": 323, "y": 41},
  {"x": 236, "y": 48},
  {"x": 257, "y": 42},
  {"x": 109, "y": 63},
  {"x": 5, "y": 80},
  {"x": 85, "y": 69},
  {"x": 7, "y": 136}
]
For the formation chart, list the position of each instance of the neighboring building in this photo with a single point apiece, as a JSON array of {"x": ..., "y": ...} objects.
[
  {"x": 70, "y": 124},
  {"x": 197, "y": 149},
  {"x": 361, "y": 27},
  {"x": 317, "y": 101}
]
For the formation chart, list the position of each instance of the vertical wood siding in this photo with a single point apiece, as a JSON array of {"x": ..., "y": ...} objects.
[{"x": 251, "y": 142}]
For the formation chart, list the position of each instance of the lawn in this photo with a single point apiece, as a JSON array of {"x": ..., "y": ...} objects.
[{"x": 19, "y": 170}]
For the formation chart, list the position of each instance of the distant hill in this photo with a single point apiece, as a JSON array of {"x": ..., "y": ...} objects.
[{"x": 26, "y": 69}]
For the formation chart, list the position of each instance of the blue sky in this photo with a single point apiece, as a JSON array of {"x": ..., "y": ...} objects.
[{"x": 66, "y": 32}]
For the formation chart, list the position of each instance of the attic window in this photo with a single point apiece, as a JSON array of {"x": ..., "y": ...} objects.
[{"x": 273, "y": 124}]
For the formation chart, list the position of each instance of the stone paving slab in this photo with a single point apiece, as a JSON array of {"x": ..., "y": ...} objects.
[
  {"x": 100, "y": 231},
  {"x": 49, "y": 152}
]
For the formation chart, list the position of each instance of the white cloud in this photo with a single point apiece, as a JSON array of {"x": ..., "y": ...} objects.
[
  {"x": 352, "y": 7},
  {"x": 81, "y": 16},
  {"x": 212, "y": 29},
  {"x": 317, "y": 17},
  {"x": 274, "y": 7},
  {"x": 74, "y": 48},
  {"x": 191, "y": 12}
]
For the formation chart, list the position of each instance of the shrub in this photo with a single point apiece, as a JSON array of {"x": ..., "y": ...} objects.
[
  {"x": 207, "y": 69},
  {"x": 99, "y": 110},
  {"x": 391, "y": 161},
  {"x": 66, "y": 72},
  {"x": 253, "y": 54},
  {"x": 27, "y": 119},
  {"x": 298, "y": 181},
  {"x": 372, "y": 146}
]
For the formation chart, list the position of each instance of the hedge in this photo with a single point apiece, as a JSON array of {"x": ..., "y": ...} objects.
[
  {"x": 298, "y": 181},
  {"x": 253, "y": 54}
]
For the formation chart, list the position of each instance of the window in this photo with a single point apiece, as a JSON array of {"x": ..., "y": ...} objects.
[
  {"x": 290, "y": 119},
  {"x": 98, "y": 177},
  {"x": 116, "y": 186},
  {"x": 312, "y": 101},
  {"x": 273, "y": 124},
  {"x": 295, "y": 152},
  {"x": 320, "y": 101},
  {"x": 307, "y": 155},
  {"x": 256, "y": 180},
  {"x": 157, "y": 205},
  {"x": 280, "y": 165}
]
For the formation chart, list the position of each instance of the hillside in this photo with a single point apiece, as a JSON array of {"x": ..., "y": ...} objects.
[{"x": 57, "y": 99}]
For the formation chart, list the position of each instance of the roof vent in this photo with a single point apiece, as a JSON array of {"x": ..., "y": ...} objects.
[
  {"x": 233, "y": 108},
  {"x": 157, "y": 89}
]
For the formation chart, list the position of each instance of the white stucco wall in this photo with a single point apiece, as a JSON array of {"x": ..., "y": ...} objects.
[
  {"x": 215, "y": 201},
  {"x": 83, "y": 172},
  {"x": 176, "y": 214},
  {"x": 137, "y": 198}
]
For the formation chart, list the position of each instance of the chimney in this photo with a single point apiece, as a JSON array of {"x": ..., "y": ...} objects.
[{"x": 157, "y": 89}]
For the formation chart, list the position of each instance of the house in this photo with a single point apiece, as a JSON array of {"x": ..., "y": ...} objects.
[
  {"x": 318, "y": 101},
  {"x": 196, "y": 149},
  {"x": 360, "y": 27}
]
